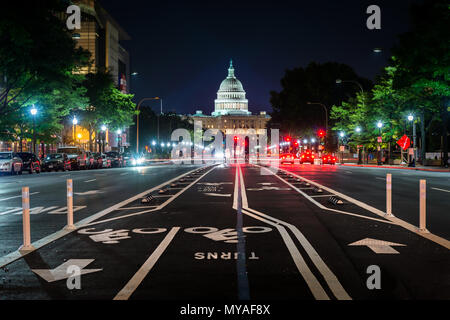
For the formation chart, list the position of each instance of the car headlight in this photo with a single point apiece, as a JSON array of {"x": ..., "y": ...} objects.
[{"x": 140, "y": 161}]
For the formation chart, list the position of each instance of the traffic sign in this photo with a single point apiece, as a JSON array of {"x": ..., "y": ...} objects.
[{"x": 404, "y": 142}]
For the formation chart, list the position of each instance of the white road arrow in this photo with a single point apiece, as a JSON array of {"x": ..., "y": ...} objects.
[
  {"x": 379, "y": 246},
  {"x": 60, "y": 273}
]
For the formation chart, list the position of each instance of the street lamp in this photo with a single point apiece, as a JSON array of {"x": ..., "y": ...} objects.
[
  {"x": 74, "y": 122},
  {"x": 137, "y": 119},
  {"x": 342, "y": 136},
  {"x": 339, "y": 81},
  {"x": 411, "y": 119},
  {"x": 379, "y": 126},
  {"x": 34, "y": 112},
  {"x": 119, "y": 139},
  {"x": 358, "y": 131}
]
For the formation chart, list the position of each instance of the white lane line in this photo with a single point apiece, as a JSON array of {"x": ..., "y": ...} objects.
[
  {"x": 322, "y": 196},
  {"x": 311, "y": 280},
  {"x": 18, "y": 196},
  {"x": 393, "y": 220},
  {"x": 91, "y": 180},
  {"x": 124, "y": 174},
  {"x": 140, "y": 275},
  {"x": 384, "y": 179},
  {"x": 236, "y": 181},
  {"x": 443, "y": 190},
  {"x": 13, "y": 256},
  {"x": 332, "y": 281}
]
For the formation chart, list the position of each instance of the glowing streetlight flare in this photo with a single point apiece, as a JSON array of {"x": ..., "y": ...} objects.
[{"x": 75, "y": 121}]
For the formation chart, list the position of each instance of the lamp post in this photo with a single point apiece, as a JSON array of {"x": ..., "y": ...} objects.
[
  {"x": 358, "y": 130},
  {"x": 339, "y": 81},
  {"x": 411, "y": 119},
  {"x": 119, "y": 140},
  {"x": 34, "y": 112},
  {"x": 342, "y": 136},
  {"x": 137, "y": 120},
  {"x": 379, "y": 125},
  {"x": 74, "y": 127},
  {"x": 102, "y": 146}
]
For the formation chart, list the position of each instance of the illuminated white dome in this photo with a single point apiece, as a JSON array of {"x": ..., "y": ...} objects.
[{"x": 231, "y": 96}]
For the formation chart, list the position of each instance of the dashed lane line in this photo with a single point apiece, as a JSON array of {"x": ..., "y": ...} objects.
[
  {"x": 31, "y": 194},
  {"x": 443, "y": 190},
  {"x": 140, "y": 275}
]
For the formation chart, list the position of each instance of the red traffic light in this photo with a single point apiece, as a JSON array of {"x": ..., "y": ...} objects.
[
  {"x": 236, "y": 139},
  {"x": 287, "y": 139},
  {"x": 321, "y": 133}
]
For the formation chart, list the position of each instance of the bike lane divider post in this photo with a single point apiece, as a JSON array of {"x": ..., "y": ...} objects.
[
  {"x": 423, "y": 207},
  {"x": 26, "y": 247},
  {"x": 389, "y": 195},
  {"x": 70, "y": 225}
]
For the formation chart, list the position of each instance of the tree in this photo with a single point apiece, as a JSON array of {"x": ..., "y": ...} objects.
[
  {"x": 106, "y": 105},
  {"x": 423, "y": 57},
  {"x": 315, "y": 83},
  {"x": 37, "y": 63}
]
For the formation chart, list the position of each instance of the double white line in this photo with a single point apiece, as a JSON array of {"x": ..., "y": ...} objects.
[{"x": 313, "y": 283}]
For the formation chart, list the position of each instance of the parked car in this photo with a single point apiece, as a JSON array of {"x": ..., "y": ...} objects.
[
  {"x": 10, "y": 163},
  {"x": 287, "y": 158},
  {"x": 31, "y": 163},
  {"x": 307, "y": 156},
  {"x": 98, "y": 160},
  {"x": 56, "y": 161},
  {"x": 77, "y": 157},
  {"x": 329, "y": 159},
  {"x": 116, "y": 159},
  {"x": 90, "y": 160},
  {"x": 103, "y": 161}
]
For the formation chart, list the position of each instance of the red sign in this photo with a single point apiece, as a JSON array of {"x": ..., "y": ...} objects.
[
  {"x": 404, "y": 142},
  {"x": 380, "y": 139}
]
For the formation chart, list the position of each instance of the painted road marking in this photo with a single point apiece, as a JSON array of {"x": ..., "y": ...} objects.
[
  {"x": 89, "y": 193},
  {"x": 322, "y": 196},
  {"x": 392, "y": 220},
  {"x": 218, "y": 195},
  {"x": 443, "y": 190},
  {"x": 16, "y": 255},
  {"x": 60, "y": 273},
  {"x": 384, "y": 179},
  {"x": 222, "y": 256},
  {"x": 39, "y": 210},
  {"x": 111, "y": 236},
  {"x": 226, "y": 235},
  {"x": 31, "y": 194},
  {"x": 378, "y": 246},
  {"x": 266, "y": 188},
  {"x": 140, "y": 275},
  {"x": 91, "y": 180},
  {"x": 330, "y": 278}
]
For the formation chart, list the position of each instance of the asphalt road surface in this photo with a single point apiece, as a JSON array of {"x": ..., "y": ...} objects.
[
  {"x": 231, "y": 232},
  {"x": 93, "y": 191},
  {"x": 369, "y": 186}
]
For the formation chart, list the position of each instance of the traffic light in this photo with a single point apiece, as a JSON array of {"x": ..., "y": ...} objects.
[
  {"x": 287, "y": 139},
  {"x": 321, "y": 133}
]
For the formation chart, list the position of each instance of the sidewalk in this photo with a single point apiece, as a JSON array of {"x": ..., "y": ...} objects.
[{"x": 417, "y": 168}]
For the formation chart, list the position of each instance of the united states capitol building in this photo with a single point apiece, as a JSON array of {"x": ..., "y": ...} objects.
[{"x": 231, "y": 114}]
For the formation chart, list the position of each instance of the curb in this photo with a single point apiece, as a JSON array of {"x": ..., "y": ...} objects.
[{"x": 395, "y": 167}]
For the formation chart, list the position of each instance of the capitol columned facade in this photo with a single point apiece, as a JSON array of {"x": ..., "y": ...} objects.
[{"x": 231, "y": 114}]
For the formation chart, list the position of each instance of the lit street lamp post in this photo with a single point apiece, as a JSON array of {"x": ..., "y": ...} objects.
[
  {"x": 379, "y": 162},
  {"x": 119, "y": 140},
  {"x": 360, "y": 160},
  {"x": 411, "y": 119},
  {"x": 342, "y": 135},
  {"x": 74, "y": 128},
  {"x": 103, "y": 139},
  {"x": 34, "y": 113}
]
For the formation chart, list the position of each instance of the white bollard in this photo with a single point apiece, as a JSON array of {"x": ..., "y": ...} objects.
[
  {"x": 70, "y": 225},
  {"x": 423, "y": 206},
  {"x": 389, "y": 195},
  {"x": 26, "y": 247}
]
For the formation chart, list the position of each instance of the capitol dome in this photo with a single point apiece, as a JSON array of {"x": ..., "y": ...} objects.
[{"x": 231, "y": 96}]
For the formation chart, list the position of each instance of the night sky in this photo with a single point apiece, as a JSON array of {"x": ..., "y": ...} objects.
[{"x": 181, "y": 49}]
